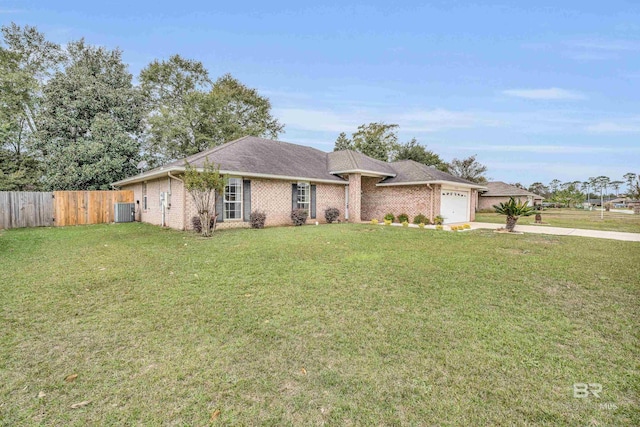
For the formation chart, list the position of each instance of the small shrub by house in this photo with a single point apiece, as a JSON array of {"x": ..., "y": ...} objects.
[
  {"x": 420, "y": 219},
  {"x": 299, "y": 216},
  {"x": 331, "y": 214},
  {"x": 196, "y": 224},
  {"x": 257, "y": 219}
]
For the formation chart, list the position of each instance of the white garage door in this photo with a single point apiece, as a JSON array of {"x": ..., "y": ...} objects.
[{"x": 454, "y": 205}]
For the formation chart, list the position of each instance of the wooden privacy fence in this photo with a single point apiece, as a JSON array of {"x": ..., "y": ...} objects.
[
  {"x": 87, "y": 207},
  {"x": 25, "y": 209},
  {"x": 58, "y": 208}
]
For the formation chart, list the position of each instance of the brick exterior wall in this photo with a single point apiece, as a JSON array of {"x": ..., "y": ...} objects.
[
  {"x": 153, "y": 214},
  {"x": 473, "y": 205},
  {"x": 329, "y": 196},
  {"x": 409, "y": 199},
  {"x": 355, "y": 191},
  {"x": 366, "y": 201},
  {"x": 437, "y": 192},
  {"x": 270, "y": 196}
]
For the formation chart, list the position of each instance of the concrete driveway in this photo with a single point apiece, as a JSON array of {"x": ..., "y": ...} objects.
[{"x": 560, "y": 231}]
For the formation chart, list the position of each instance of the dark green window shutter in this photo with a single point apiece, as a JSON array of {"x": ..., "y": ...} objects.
[
  {"x": 220, "y": 207},
  {"x": 313, "y": 202},
  {"x": 294, "y": 196},
  {"x": 246, "y": 199}
]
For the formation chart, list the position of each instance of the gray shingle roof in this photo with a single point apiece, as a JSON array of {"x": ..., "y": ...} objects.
[
  {"x": 352, "y": 161},
  {"x": 264, "y": 156},
  {"x": 501, "y": 189},
  {"x": 412, "y": 171},
  {"x": 252, "y": 156}
]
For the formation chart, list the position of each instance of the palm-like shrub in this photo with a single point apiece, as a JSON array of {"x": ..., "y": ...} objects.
[{"x": 513, "y": 210}]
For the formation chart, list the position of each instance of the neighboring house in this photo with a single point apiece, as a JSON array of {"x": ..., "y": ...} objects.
[
  {"x": 276, "y": 177},
  {"x": 498, "y": 192},
  {"x": 623, "y": 202}
]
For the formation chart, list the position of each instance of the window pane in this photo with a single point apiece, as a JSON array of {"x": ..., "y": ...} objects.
[
  {"x": 233, "y": 199},
  {"x": 303, "y": 195}
]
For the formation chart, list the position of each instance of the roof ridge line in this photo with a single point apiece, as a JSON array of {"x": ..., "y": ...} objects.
[
  {"x": 205, "y": 154},
  {"x": 353, "y": 159}
]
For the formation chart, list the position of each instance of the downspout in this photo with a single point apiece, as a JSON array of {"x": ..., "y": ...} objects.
[{"x": 175, "y": 177}]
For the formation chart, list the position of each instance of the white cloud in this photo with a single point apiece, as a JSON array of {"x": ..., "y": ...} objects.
[
  {"x": 616, "y": 126},
  {"x": 607, "y": 45},
  {"x": 318, "y": 120},
  {"x": 440, "y": 119},
  {"x": 552, "y": 149},
  {"x": 536, "y": 171},
  {"x": 553, "y": 93},
  {"x": 411, "y": 121}
]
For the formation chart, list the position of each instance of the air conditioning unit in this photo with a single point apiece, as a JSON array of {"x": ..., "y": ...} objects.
[{"x": 125, "y": 212}]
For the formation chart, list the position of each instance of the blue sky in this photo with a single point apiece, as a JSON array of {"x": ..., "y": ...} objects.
[{"x": 538, "y": 90}]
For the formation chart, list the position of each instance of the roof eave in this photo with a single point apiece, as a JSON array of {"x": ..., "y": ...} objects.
[
  {"x": 363, "y": 171},
  {"x": 535, "y": 196},
  {"x": 436, "y": 182},
  {"x": 165, "y": 172},
  {"x": 283, "y": 177},
  {"x": 146, "y": 176}
]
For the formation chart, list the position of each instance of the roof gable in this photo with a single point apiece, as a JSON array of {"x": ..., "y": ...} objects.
[
  {"x": 349, "y": 161},
  {"x": 410, "y": 171},
  {"x": 502, "y": 189}
]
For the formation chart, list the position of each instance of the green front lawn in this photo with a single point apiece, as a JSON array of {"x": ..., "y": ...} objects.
[
  {"x": 575, "y": 218},
  {"x": 336, "y": 324}
]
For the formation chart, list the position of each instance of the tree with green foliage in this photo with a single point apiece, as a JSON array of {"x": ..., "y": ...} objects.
[
  {"x": 616, "y": 186},
  {"x": 585, "y": 186},
  {"x": 232, "y": 110},
  {"x": 343, "y": 143},
  {"x": 602, "y": 184},
  {"x": 26, "y": 61},
  {"x": 569, "y": 195},
  {"x": 469, "y": 169},
  {"x": 19, "y": 173},
  {"x": 412, "y": 150},
  {"x": 513, "y": 211},
  {"x": 205, "y": 187},
  {"x": 629, "y": 179},
  {"x": 539, "y": 189},
  {"x": 89, "y": 121},
  {"x": 187, "y": 113},
  {"x": 554, "y": 185},
  {"x": 634, "y": 189},
  {"x": 376, "y": 140}
]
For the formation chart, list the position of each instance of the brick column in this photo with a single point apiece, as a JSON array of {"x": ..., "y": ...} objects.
[{"x": 355, "y": 190}]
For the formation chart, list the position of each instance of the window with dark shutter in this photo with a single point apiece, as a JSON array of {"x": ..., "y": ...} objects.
[
  {"x": 294, "y": 197},
  {"x": 219, "y": 207},
  {"x": 312, "y": 210},
  {"x": 304, "y": 196},
  {"x": 246, "y": 199}
]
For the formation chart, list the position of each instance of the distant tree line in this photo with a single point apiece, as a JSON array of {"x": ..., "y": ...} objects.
[
  {"x": 72, "y": 118},
  {"x": 380, "y": 141},
  {"x": 576, "y": 192}
]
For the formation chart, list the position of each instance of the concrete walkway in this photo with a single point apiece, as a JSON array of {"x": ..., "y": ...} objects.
[{"x": 559, "y": 231}]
